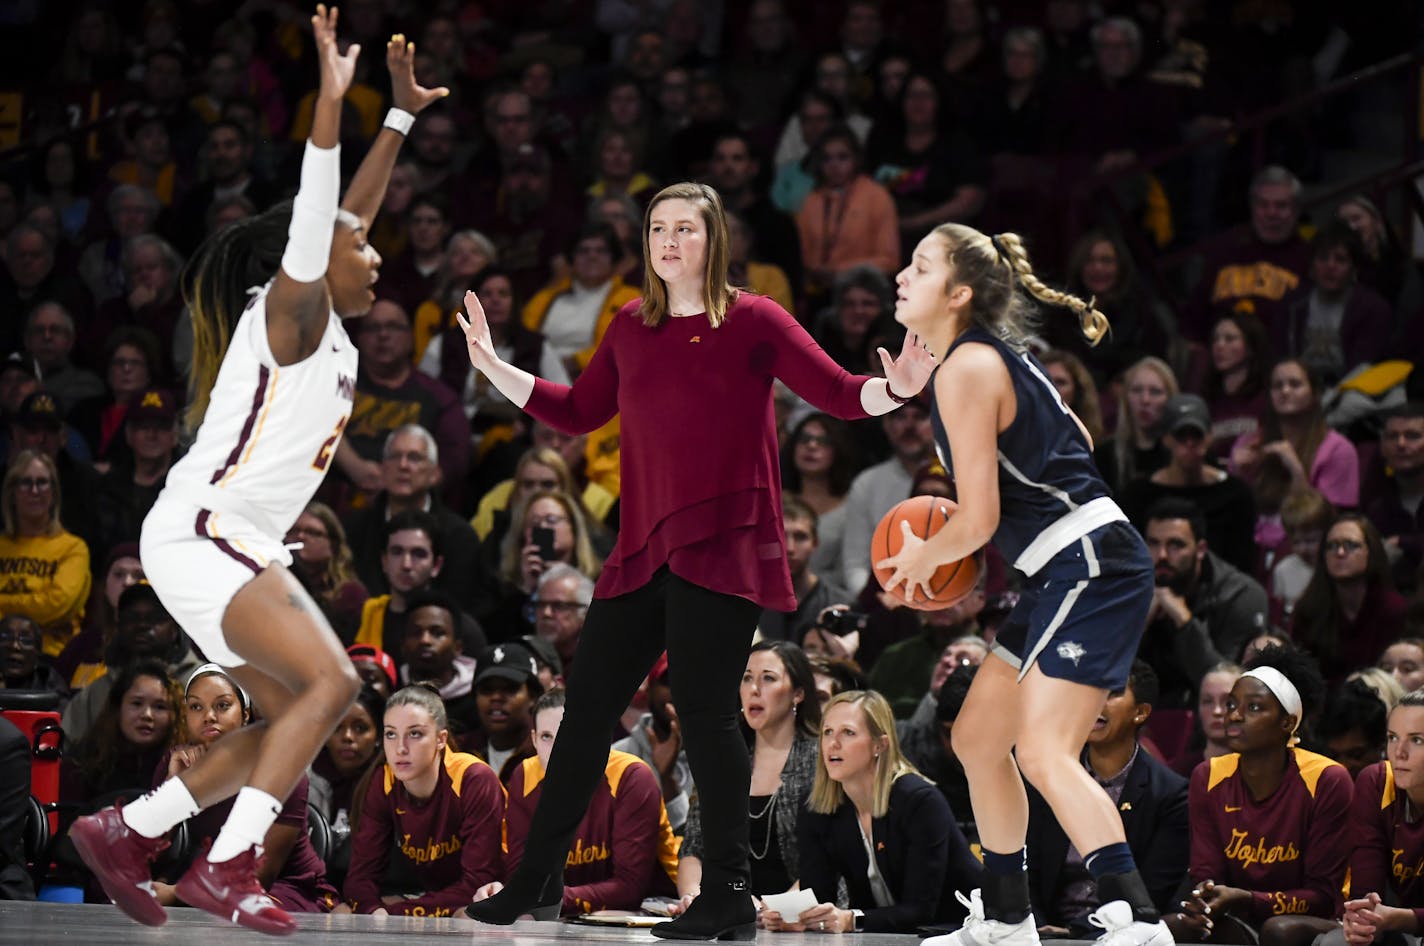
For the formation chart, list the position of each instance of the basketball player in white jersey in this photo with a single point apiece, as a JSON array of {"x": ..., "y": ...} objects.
[{"x": 274, "y": 374}]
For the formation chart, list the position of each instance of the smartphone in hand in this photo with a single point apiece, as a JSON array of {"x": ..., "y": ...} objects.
[{"x": 543, "y": 537}]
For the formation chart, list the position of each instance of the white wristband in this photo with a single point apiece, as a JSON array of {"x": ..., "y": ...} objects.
[{"x": 399, "y": 120}]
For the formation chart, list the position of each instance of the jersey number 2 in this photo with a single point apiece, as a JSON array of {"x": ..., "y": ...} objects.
[{"x": 328, "y": 447}]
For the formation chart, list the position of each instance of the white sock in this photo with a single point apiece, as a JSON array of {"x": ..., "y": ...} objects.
[
  {"x": 156, "y": 813},
  {"x": 253, "y": 813}
]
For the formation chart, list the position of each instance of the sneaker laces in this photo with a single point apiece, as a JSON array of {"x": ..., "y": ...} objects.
[
  {"x": 1117, "y": 925},
  {"x": 974, "y": 903}
]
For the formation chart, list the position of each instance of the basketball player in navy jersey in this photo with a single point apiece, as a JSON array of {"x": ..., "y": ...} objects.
[{"x": 1023, "y": 466}]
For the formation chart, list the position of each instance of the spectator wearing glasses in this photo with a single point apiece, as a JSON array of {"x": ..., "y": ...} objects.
[
  {"x": 323, "y": 564},
  {"x": 46, "y": 567},
  {"x": 557, "y": 609},
  {"x": 1350, "y": 611},
  {"x": 390, "y": 393},
  {"x": 410, "y": 480},
  {"x": 21, "y": 667}
]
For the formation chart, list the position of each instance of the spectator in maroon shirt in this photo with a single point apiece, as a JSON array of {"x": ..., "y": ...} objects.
[
  {"x": 1239, "y": 360},
  {"x": 1350, "y": 611},
  {"x": 290, "y": 871},
  {"x": 411, "y": 277},
  {"x": 1332, "y": 322},
  {"x": 1270, "y": 821},
  {"x": 1388, "y": 838},
  {"x": 1256, "y": 274},
  {"x": 438, "y": 814}
]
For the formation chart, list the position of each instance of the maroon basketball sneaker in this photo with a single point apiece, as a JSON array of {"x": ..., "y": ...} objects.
[
  {"x": 230, "y": 890},
  {"x": 119, "y": 857}
]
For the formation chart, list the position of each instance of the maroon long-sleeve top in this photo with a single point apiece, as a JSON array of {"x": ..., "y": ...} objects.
[
  {"x": 623, "y": 849},
  {"x": 1389, "y": 848},
  {"x": 701, "y": 482},
  {"x": 1290, "y": 849},
  {"x": 452, "y": 841}
]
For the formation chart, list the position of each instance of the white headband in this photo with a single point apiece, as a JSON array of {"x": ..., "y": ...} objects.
[
  {"x": 1281, "y": 688},
  {"x": 211, "y": 668}
]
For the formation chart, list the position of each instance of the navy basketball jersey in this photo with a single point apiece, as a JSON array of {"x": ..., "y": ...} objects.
[{"x": 1050, "y": 491}]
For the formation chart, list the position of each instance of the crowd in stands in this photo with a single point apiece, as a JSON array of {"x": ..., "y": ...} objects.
[{"x": 1253, "y": 421}]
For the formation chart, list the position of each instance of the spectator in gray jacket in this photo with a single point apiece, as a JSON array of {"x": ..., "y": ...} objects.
[
  {"x": 1204, "y": 609},
  {"x": 657, "y": 740}
]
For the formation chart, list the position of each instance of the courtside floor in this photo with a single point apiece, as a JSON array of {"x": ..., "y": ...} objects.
[{"x": 53, "y": 924}]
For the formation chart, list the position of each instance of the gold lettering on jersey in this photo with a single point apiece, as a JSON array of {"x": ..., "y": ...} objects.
[
  {"x": 1282, "y": 903},
  {"x": 431, "y": 911},
  {"x": 586, "y": 855},
  {"x": 1404, "y": 873},
  {"x": 1238, "y": 849},
  {"x": 1253, "y": 281},
  {"x": 430, "y": 850}
]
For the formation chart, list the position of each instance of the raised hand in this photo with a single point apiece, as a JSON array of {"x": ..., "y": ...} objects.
[
  {"x": 337, "y": 70},
  {"x": 477, "y": 333},
  {"x": 908, "y": 373},
  {"x": 406, "y": 95}
]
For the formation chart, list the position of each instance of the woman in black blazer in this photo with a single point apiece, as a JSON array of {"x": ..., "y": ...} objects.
[{"x": 867, "y": 795}]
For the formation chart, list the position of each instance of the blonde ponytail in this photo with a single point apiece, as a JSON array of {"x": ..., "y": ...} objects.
[{"x": 1093, "y": 323}]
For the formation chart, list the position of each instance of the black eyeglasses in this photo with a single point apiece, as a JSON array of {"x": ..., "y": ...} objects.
[
  {"x": 1343, "y": 545},
  {"x": 35, "y": 484},
  {"x": 814, "y": 440}
]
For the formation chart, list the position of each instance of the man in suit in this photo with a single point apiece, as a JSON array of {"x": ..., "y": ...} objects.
[{"x": 1151, "y": 798}]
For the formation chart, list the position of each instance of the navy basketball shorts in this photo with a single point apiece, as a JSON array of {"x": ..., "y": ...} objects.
[{"x": 1081, "y": 616}]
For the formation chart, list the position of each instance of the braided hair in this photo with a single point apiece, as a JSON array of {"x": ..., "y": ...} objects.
[{"x": 994, "y": 267}]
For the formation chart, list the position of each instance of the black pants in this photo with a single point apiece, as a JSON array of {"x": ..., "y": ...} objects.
[{"x": 707, "y": 636}]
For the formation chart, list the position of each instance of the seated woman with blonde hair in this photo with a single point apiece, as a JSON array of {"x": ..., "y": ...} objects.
[{"x": 878, "y": 825}]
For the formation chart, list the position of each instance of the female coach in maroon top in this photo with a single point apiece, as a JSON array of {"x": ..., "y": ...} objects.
[{"x": 701, "y": 548}]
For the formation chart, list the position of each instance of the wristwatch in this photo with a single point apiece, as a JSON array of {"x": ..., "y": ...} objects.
[{"x": 855, "y": 916}]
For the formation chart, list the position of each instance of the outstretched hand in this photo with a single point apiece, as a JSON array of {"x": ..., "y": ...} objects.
[
  {"x": 477, "y": 333},
  {"x": 406, "y": 95},
  {"x": 908, "y": 373},
  {"x": 337, "y": 70}
]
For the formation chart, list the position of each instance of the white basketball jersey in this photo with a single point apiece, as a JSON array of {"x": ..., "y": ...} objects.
[{"x": 270, "y": 431}]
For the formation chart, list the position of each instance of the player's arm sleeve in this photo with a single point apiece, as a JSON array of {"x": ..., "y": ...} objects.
[
  {"x": 591, "y": 401},
  {"x": 636, "y": 818},
  {"x": 807, "y": 369},
  {"x": 370, "y": 849}
]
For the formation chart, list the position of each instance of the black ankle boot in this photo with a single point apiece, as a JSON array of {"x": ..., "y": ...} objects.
[
  {"x": 721, "y": 911},
  {"x": 540, "y": 898}
]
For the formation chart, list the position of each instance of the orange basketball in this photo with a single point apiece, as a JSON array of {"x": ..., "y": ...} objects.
[{"x": 926, "y": 515}]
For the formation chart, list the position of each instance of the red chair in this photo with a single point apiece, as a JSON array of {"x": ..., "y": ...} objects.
[{"x": 36, "y": 714}]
